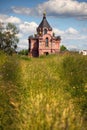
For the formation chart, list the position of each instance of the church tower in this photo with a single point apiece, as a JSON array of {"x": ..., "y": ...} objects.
[{"x": 44, "y": 42}]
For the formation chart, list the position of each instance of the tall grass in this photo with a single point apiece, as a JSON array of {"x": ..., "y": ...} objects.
[
  {"x": 73, "y": 72},
  {"x": 33, "y": 98}
]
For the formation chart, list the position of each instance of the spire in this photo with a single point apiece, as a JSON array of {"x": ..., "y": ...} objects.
[{"x": 44, "y": 15}]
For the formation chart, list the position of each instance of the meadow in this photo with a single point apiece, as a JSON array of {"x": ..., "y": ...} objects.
[{"x": 45, "y": 93}]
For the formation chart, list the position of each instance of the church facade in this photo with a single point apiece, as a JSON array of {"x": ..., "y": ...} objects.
[{"x": 44, "y": 42}]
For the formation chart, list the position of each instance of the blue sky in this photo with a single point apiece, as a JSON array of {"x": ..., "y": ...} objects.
[{"x": 68, "y": 19}]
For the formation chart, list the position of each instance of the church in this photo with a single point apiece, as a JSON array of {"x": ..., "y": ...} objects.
[{"x": 44, "y": 42}]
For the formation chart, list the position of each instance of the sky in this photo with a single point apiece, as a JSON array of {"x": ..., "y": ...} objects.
[{"x": 68, "y": 18}]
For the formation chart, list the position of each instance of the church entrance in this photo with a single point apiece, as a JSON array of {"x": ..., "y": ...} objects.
[{"x": 46, "y": 53}]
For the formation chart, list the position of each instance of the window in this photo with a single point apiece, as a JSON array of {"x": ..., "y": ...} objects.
[
  {"x": 45, "y": 31},
  {"x": 47, "y": 42}
]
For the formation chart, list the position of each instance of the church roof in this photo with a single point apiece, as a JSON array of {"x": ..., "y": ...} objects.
[{"x": 44, "y": 23}]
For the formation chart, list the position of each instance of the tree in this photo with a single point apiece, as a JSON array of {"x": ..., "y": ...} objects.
[
  {"x": 23, "y": 52},
  {"x": 8, "y": 38},
  {"x": 63, "y": 48}
]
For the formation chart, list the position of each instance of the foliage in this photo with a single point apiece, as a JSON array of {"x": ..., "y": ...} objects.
[
  {"x": 33, "y": 98},
  {"x": 63, "y": 48},
  {"x": 8, "y": 38},
  {"x": 23, "y": 52}
]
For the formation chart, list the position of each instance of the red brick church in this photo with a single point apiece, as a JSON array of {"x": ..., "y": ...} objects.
[{"x": 44, "y": 42}]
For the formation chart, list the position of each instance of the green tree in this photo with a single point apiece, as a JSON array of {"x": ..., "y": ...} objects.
[
  {"x": 23, "y": 52},
  {"x": 8, "y": 38},
  {"x": 63, "y": 48}
]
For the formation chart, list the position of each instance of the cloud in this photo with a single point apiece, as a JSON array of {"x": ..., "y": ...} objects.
[
  {"x": 28, "y": 28},
  {"x": 21, "y": 10},
  {"x": 23, "y": 44},
  {"x": 58, "y": 32},
  {"x": 63, "y": 8},
  {"x": 11, "y": 19},
  {"x": 72, "y": 38},
  {"x": 20, "y": 35},
  {"x": 72, "y": 31},
  {"x": 3, "y": 17}
]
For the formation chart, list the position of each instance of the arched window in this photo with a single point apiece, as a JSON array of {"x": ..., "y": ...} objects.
[
  {"x": 47, "y": 42},
  {"x": 45, "y": 31}
]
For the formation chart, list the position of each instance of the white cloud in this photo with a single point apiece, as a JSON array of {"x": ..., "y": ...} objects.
[
  {"x": 22, "y": 10},
  {"x": 70, "y": 8},
  {"x": 20, "y": 35},
  {"x": 73, "y": 47},
  {"x": 65, "y": 8},
  {"x": 72, "y": 31},
  {"x": 28, "y": 28},
  {"x": 3, "y": 17},
  {"x": 58, "y": 32},
  {"x": 68, "y": 32},
  {"x": 23, "y": 44},
  {"x": 24, "y": 27},
  {"x": 72, "y": 38},
  {"x": 11, "y": 19}
]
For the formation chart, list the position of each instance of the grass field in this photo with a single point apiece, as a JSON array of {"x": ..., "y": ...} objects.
[{"x": 32, "y": 96}]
